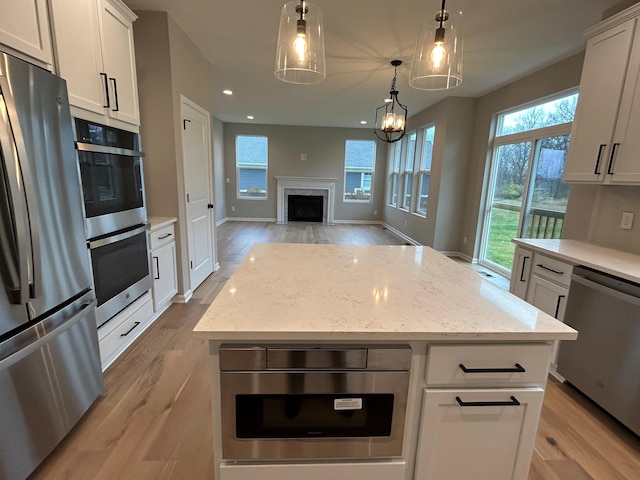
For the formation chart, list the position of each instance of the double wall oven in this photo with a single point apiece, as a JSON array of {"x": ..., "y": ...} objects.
[
  {"x": 288, "y": 402},
  {"x": 110, "y": 163}
]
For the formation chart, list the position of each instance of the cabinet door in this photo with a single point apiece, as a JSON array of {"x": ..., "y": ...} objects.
[
  {"x": 119, "y": 62},
  {"x": 520, "y": 272},
  {"x": 78, "y": 53},
  {"x": 165, "y": 284},
  {"x": 624, "y": 166},
  {"x": 552, "y": 300},
  {"x": 601, "y": 85},
  {"x": 488, "y": 440},
  {"x": 24, "y": 27}
]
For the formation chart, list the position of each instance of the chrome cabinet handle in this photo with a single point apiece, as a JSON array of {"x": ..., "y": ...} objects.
[
  {"x": 512, "y": 403},
  {"x": 550, "y": 269},
  {"x": 517, "y": 368}
]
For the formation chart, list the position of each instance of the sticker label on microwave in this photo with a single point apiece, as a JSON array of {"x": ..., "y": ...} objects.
[{"x": 347, "y": 404}]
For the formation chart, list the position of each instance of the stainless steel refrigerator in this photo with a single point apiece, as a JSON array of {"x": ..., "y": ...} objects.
[{"x": 50, "y": 371}]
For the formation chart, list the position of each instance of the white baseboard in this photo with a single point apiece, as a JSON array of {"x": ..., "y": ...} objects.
[
  {"x": 243, "y": 219},
  {"x": 359, "y": 222},
  {"x": 220, "y": 222},
  {"x": 402, "y": 235},
  {"x": 183, "y": 298}
]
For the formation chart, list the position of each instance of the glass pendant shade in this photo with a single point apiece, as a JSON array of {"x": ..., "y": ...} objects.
[
  {"x": 437, "y": 61},
  {"x": 300, "y": 51}
]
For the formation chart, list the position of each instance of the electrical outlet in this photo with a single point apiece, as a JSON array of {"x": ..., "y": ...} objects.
[
  {"x": 303, "y": 157},
  {"x": 233, "y": 209},
  {"x": 464, "y": 240},
  {"x": 375, "y": 212},
  {"x": 228, "y": 179},
  {"x": 627, "y": 220}
]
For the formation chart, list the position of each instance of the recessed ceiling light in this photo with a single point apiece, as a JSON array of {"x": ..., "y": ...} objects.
[
  {"x": 363, "y": 122},
  {"x": 227, "y": 92},
  {"x": 250, "y": 117}
]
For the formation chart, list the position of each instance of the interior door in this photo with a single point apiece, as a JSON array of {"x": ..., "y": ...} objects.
[{"x": 198, "y": 179}]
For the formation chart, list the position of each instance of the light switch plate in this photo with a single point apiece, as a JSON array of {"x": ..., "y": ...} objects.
[{"x": 627, "y": 220}]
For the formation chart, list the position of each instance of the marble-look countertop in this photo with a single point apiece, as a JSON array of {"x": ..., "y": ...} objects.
[
  {"x": 303, "y": 292},
  {"x": 156, "y": 223},
  {"x": 614, "y": 262}
]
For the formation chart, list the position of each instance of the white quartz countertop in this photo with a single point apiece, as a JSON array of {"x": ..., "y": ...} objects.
[
  {"x": 614, "y": 262},
  {"x": 303, "y": 292},
  {"x": 156, "y": 223}
]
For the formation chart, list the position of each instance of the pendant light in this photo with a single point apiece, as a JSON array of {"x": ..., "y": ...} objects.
[
  {"x": 437, "y": 61},
  {"x": 391, "y": 118},
  {"x": 300, "y": 51}
]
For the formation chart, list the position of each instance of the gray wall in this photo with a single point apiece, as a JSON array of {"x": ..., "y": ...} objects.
[
  {"x": 556, "y": 78},
  {"x": 324, "y": 148},
  {"x": 442, "y": 226},
  {"x": 170, "y": 65}
]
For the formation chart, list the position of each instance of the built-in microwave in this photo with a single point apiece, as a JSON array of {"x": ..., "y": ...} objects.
[
  {"x": 110, "y": 163},
  {"x": 284, "y": 402}
]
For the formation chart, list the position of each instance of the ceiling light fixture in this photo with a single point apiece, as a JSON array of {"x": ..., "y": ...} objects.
[
  {"x": 227, "y": 92},
  {"x": 300, "y": 51},
  {"x": 437, "y": 61},
  {"x": 391, "y": 118}
]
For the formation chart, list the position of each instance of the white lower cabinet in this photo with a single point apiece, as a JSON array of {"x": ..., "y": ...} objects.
[
  {"x": 479, "y": 434},
  {"x": 389, "y": 470},
  {"x": 163, "y": 266},
  {"x": 120, "y": 332}
]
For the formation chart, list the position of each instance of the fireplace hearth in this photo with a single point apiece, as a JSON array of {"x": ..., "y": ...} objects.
[{"x": 304, "y": 208}]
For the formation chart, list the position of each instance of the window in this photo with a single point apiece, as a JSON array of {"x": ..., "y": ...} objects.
[
  {"x": 359, "y": 165},
  {"x": 526, "y": 195},
  {"x": 252, "y": 155},
  {"x": 394, "y": 177},
  {"x": 424, "y": 173},
  {"x": 407, "y": 174}
]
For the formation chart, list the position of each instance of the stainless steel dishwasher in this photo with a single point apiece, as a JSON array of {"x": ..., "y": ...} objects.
[{"x": 603, "y": 363}]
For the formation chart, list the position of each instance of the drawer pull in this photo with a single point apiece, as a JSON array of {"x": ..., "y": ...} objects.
[
  {"x": 516, "y": 369},
  {"x": 513, "y": 403},
  {"x": 130, "y": 330},
  {"x": 164, "y": 236},
  {"x": 524, "y": 262},
  {"x": 550, "y": 269}
]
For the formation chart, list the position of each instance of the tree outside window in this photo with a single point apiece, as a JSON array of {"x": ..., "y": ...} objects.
[
  {"x": 252, "y": 154},
  {"x": 394, "y": 177},
  {"x": 359, "y": 166},
  {"x": 407, "y": 174}
]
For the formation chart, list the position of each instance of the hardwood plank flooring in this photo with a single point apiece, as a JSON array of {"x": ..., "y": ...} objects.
[{"x": 153, "y": 419}]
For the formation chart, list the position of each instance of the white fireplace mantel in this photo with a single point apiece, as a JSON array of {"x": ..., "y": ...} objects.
[{"x": 322, "y": 184}]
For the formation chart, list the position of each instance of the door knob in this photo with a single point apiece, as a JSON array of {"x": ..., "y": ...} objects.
[{"x": 209, "y": 205}]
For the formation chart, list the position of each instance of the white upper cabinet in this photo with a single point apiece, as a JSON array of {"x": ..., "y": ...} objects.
[
  {"x": 24, "y": 29},
  {"x": 95, "y": 54},
  {"x": 604, "y": 139}
]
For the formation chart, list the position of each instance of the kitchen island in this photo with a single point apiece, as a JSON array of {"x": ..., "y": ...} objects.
[{"x": 479, "y": 358}]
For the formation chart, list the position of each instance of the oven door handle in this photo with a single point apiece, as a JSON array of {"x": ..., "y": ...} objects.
[
  {"x": 90, "y": 147},
  {"x": 117, "y": 238}
]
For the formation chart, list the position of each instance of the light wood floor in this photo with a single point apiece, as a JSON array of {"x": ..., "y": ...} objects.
[{"x": 153, "y": 418}]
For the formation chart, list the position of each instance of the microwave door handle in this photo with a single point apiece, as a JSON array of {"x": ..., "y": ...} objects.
[
  {"x": 17, "y": 272},
  {"x": 34, "y": 272}
]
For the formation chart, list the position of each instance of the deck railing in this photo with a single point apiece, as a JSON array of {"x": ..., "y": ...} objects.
[{"x": 544, "y": 223}]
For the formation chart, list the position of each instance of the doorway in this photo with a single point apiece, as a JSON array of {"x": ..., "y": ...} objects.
[{"x": 196, "y": 147}]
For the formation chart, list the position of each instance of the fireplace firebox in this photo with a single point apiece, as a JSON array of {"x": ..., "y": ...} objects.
[{"x": 304, "y": 208}]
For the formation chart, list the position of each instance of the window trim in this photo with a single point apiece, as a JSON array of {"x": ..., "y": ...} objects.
[
  {"x": 359, "y": 170},
  {"x": 239, "y": 195}
]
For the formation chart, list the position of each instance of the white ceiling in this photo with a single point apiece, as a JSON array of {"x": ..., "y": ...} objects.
[{"x": 503, "y": 41}]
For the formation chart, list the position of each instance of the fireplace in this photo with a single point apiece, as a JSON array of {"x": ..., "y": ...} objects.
[
  {"x": 304, "y": 208},
  {"x": 307, "y": 187}
]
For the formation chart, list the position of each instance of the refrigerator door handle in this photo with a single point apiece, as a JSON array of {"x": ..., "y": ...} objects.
[
  {"x": 34, "y": 267},
  {"x": 18, "y": 281}
]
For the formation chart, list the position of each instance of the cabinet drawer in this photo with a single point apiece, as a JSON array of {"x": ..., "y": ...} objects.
[
  {"x": 552, "y": 269},
  {"x": 390, "y": 470},
  {"x": 129, "y": 324},
  {"x": 490, "y": 365},
  {"x": 162, "y": 236}
]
